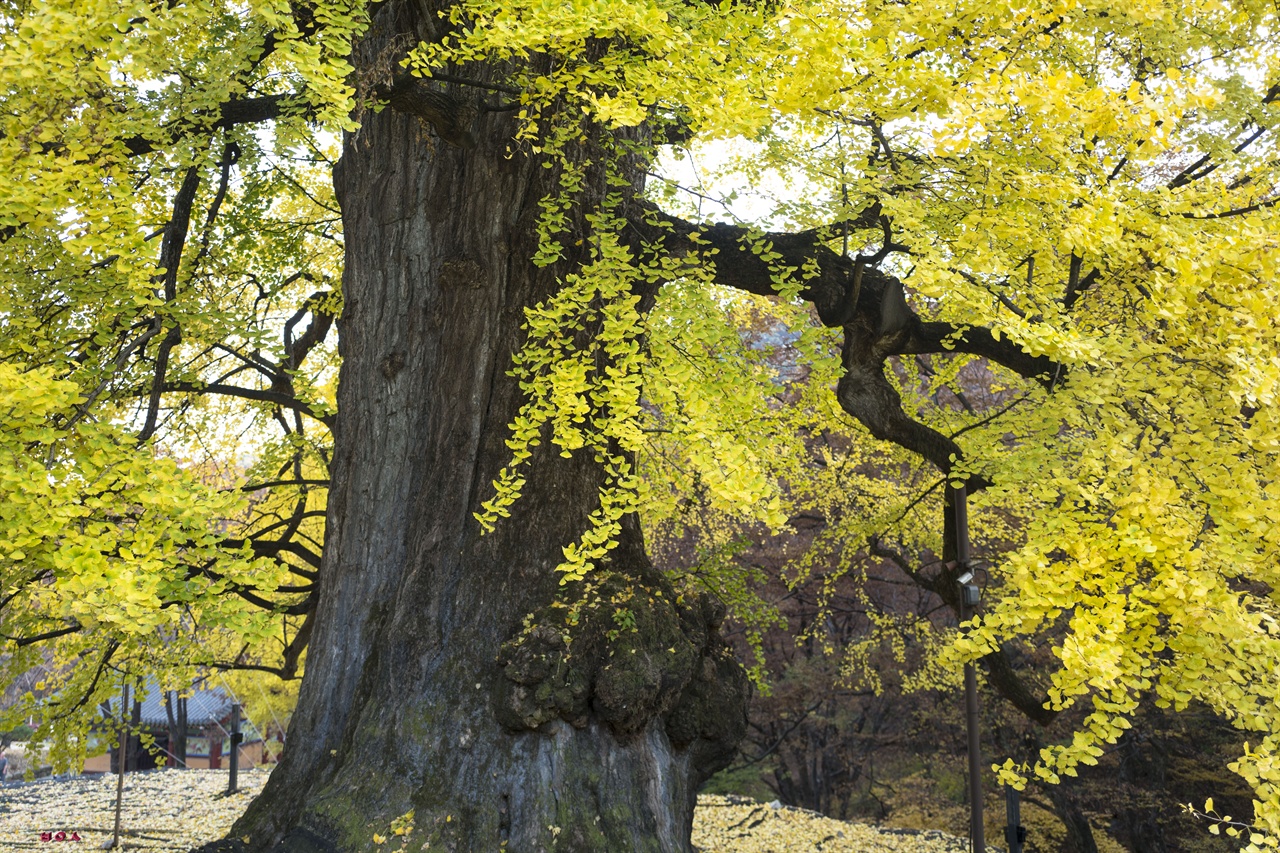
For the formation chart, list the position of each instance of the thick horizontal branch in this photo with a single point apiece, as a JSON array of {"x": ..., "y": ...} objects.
[
  {"x": 232, "y": 666},
  {"x": 870, "y": 306},
  {"x": 739, "y": 265},
  {"x": 282, "y": 400},
  {"x": 46, "y": 636},
  {"x": 258, "y": 600},
  {"x": 273, "y": 549},
  {"x": 230, "y": 114},
  {"x": 977, "y": 340},
  {"x": 271, "y": 484}
]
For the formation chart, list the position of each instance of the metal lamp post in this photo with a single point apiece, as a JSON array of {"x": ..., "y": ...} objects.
[{"x": 970, "y": 595}]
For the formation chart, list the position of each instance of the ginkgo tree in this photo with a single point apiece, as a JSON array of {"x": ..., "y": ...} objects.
[{"x": 538, "y": 349}]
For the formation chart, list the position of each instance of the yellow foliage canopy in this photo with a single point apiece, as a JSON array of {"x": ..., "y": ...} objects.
[{"x": 1082, "y": 193}]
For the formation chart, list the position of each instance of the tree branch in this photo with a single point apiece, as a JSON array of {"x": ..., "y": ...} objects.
[
  {"x": 254, "y": 598},
  {"x": 282, "y": 400},
  {"x": 175, "y": 238},
  {"x": 107, "y": 653},
  {"x": 870, "y": 306},
  {"x": 868, "y": 303},
  {"x": 315, "y": 333},
  {"x": 230, "y": 114},
  {"x": 1239, "y": 211},
  {"x": 47, "y": 635},
  {"x": 253, "y": 487},
  {"x": 116, "y": 365},
  {"x": 738, "y": 265}
]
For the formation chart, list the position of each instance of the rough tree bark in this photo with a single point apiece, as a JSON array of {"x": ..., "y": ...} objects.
[{"x": 425, "y": 688}]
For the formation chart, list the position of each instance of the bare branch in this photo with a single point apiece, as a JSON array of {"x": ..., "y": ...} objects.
[{"x": 175, "y": 238}]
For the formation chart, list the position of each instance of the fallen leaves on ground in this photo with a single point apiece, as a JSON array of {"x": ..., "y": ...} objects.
[
  {"x": 171, "y": 810},
  {"x": 739, "y": 825}
]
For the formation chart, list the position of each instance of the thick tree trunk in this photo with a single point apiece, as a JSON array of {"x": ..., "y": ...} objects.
[{"x": 426, "y": 687}]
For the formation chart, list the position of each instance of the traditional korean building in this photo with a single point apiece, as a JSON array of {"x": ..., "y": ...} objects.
[{"x": 191, "y": 730}]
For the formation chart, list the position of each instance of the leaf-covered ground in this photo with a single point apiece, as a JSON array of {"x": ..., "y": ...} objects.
[
  {"x": 739, "y": 825},
  {"x": 174, "y": 811},
  {"x": 163, "y": 810}
]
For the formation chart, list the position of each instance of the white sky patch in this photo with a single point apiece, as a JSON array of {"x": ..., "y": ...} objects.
[{"x": 713, "y": 189}]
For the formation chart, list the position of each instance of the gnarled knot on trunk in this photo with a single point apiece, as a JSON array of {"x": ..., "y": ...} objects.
[
  {"x": 449, "y": 116},
  {"x": 627, "y": 650}
]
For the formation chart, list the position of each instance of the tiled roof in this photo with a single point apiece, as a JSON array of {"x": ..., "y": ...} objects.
[{"x": 204, "y": 706}]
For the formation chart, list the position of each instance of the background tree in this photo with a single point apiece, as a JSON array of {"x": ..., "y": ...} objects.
[{"x": 1020, "y": 185}]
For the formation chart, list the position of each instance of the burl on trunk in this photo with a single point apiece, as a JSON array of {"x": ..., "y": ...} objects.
[{"x": 449, "y": 673}]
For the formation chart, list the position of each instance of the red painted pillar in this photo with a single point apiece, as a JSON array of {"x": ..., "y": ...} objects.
[{"x": 215, "y": 750}]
